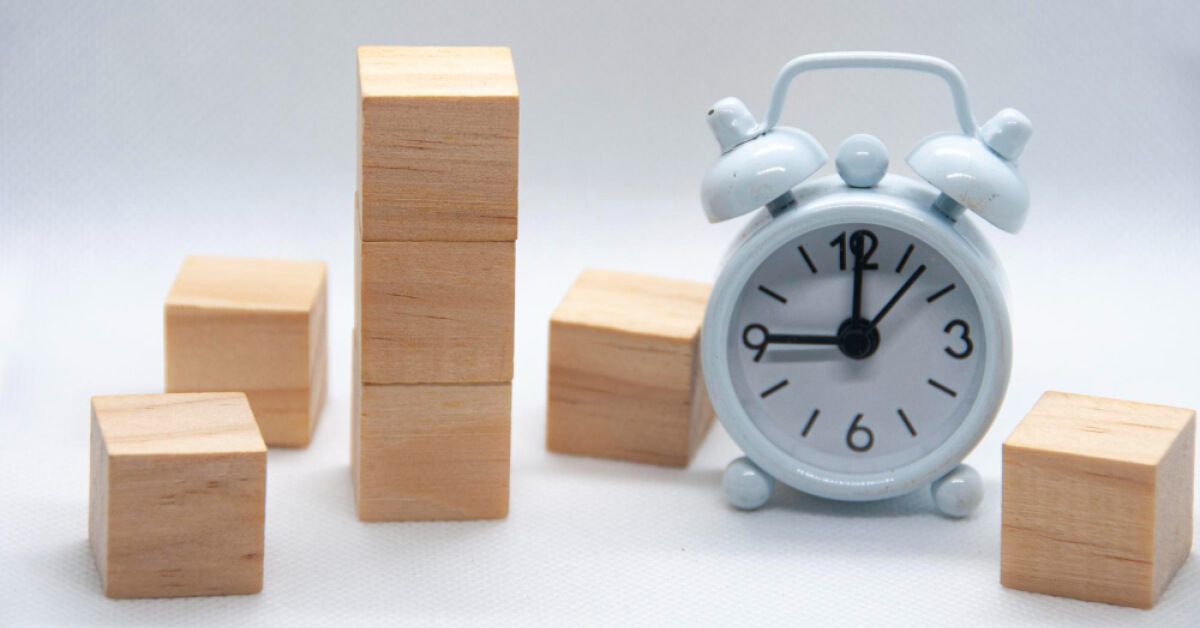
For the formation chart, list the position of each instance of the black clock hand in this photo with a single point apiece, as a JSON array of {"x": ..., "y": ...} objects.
[
  {"x": 896, "y": 297},
  {"x": 758, "y": 339},
  {"x": 794, "y": 339},
  {"x": 856, "y": 303}
]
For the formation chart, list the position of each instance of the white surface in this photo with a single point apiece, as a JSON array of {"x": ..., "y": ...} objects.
[{"x": 130, "y": 138}]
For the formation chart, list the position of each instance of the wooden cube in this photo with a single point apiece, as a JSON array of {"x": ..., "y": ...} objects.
[
  {"x": 437, "y": 312},
  {"x": 177, "y": 495},
  {"x": 431, "y": 451},
  {"x": 255, "y": 326},
  {"x": 625, "y": 378},
  {"x": 438, "y": 143},
  {"x": 1097, "y": 499}
]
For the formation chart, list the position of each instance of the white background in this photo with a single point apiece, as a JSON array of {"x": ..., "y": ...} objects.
[{"x": 132, "y": 134}]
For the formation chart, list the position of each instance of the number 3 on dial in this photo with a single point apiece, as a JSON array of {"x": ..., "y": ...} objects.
[{"x": 964, "y": 335}]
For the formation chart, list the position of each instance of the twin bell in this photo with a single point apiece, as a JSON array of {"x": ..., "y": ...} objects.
[{"x": 760, "y": 164}]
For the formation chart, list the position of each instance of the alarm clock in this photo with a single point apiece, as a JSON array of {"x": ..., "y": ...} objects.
[{"x": 857, "y": 344}]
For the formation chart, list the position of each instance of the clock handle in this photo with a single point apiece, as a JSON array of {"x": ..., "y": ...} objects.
[
  {"x": 881, "y": 60},
  {"x": 976, "y": 170}
]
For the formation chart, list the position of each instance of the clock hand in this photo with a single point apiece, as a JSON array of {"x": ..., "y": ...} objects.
[
  {"x": 896, "y": 297},
  {"x": 757, "y": 338},
  {"x": 795, "y": 339},
  {"x": 856, "y": 302}
]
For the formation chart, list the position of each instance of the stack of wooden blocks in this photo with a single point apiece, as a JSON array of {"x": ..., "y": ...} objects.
[{"x": 436, "y": 227}]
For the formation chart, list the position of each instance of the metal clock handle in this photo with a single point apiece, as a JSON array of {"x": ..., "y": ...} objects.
[{"x": 881, "y": 60}]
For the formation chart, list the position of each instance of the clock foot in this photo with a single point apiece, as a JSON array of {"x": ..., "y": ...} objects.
[
  {"x": 959, "y": 492},
  {"x": 747, "y": 487}
]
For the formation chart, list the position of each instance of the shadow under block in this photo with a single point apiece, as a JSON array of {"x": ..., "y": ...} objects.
[
  {"x": 431, "y": 451},
  {"x": 436, "y": 312},
  {"x": 625, "y": 378},
  {"x": 438, "y": 143},
  {"x": 255, "y": 326},
  {"x": 1097, "y": 499},
  {"x": 178, "y": 489}
]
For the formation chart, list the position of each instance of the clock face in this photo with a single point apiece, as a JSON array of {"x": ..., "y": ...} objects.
[{"x": 856, "y": 348}]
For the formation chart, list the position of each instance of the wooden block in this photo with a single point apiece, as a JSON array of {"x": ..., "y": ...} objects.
[
  {"x": 355, "y": 412},
  {"x": 177, "y": 495},
  {"x": 432, "y": 452},
  {"x": 625, "y": 378},
  {"x": 256, "y": 326},
  {"x": 438, "y": 143},
  {"x": 1097, "y": 499},
  {"x": 437, "y": 312}
]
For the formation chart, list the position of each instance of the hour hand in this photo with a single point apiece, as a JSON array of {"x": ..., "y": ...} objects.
[{"x": 758, "y": 338}]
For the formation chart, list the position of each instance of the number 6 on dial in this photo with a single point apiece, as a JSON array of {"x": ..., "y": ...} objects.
[{"x": 867, "y": 439}]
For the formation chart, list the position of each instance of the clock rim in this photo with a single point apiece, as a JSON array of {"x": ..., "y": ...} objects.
[{"x": 954, "y": 241}]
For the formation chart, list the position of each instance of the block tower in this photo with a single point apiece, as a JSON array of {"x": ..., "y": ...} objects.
[{"x": 436, "y": 228}]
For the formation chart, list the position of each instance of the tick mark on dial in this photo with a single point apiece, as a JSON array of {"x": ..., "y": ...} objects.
[
  {"x": 770, "y": 391},
  {"x": 808, "y": 260},
  {"x": 939, "y": 294},
  {"x": 904, "y": 260},
  {"x": 808, "y": 426},
  {"x": 771, "y": 293},
  {"x": 942, "y": 387},
  {"x": 907, "y": 423}
]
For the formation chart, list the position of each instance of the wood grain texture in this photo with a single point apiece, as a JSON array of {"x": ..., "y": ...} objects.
[
  {"x": 625, "y": 378},
  {"x": 431, "y": 452},
  {"x": 438, "y": 133},
  {"x": 1097, "y": 499},
  {"x": 356, "y": 413},
  {"x": 178, "y": 489},
  {"x": 437, "y": 312},
  {"x": 255, "y": 326}
]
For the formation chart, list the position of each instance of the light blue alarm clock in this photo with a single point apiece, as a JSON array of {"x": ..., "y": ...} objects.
[{"x": 857, "y": 344}]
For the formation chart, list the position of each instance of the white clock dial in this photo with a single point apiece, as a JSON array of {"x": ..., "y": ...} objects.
[{"x": 856, "y": 385}]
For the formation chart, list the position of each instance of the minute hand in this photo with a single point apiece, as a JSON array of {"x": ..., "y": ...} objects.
[
  {"x": 797, "y": 339},
  {"x": 896, "y": 297}
]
